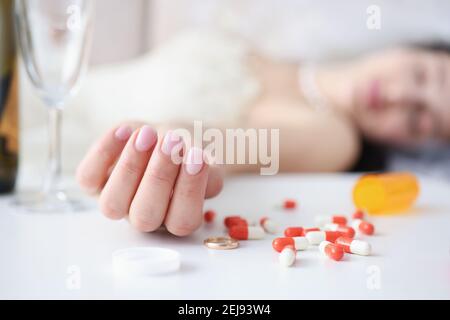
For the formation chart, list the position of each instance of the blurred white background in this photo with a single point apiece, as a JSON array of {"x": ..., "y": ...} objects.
[{"x": 130, "y": 78}]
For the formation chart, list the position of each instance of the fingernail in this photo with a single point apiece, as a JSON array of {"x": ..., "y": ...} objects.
[
  {"x": 194, "y": 161},
  {"x": 169, "y": 142},
  {"x": 146, "y": 139},
  {"x": 123, "y": 133}
]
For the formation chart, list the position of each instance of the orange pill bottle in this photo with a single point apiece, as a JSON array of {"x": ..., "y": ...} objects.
[{"x": 386, "y": 193}]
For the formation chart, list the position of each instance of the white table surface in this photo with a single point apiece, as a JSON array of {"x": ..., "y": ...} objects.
[{"x": 411, "y": 257}]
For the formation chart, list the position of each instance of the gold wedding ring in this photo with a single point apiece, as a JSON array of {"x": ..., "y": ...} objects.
[{"x": 221, "y": 243}]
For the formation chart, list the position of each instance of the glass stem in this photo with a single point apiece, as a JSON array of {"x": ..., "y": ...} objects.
[{"x": 53, "y": 177}]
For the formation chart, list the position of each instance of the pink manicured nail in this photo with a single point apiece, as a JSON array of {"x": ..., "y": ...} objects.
[
  {"x": 194, "y": 161},
  {"x": 169, "y": 142},
  {"x": 146, "y": 139},
  {"x": 123, "y": 133}
]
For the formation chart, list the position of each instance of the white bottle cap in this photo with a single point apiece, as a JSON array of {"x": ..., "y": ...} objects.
[{"x": 145, "y": 261}]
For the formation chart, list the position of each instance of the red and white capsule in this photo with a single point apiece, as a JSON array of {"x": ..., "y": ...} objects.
[
  {"x": 323, "y": 220},
  {"x": 235, "y": 221},
  {"x": 298, "y": 243},
  {"x": 230, "y": 220},
  {"x": 269, "y": 225},
  {"x": 350, "y": 245},
  {"x": 294, "y": 232},
  {"x": 344, "y": 230},
  {"x": 331, "y": 250},
  {"x": 305, "y": 231},
  {"x": 316, "y": 237},
  {"x": 240, "y": 232},
  {"x": 287, "y": 256},
  {"x": 364, "y": 227}
]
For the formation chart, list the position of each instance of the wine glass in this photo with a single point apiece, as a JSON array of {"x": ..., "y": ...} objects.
[{"x": 54, "y": 38}]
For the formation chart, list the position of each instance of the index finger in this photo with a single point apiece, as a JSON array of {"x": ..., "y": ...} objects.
[{"x": 94, "y": 169}]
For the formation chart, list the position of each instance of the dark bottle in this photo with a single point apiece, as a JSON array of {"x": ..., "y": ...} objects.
[{"x": 8, "y": 100}]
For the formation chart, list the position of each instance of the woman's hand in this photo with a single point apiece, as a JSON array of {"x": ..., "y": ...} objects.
[{"x": 134, "y": 174}]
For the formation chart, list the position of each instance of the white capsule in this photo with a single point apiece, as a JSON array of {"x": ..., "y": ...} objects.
[
  {"x": 246, "y": 233},
  {"x": 331, "y": 227},
  {"x": 322, "y": 246},
  {"x": 269, "y": 225},
  {"x": 256, "y": 233},
  {"x": 287, "y": 256},
  {"x": 316, "y": 237},
  {"x": 361, "y": 248},
  {"x": 350, "y": 245},
  {"x": 301, "y": 243}
]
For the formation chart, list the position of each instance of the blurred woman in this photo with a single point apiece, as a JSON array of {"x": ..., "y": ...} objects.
[
  {"x": 328, "y": 114},
  {"x": 397, "y": 98}
]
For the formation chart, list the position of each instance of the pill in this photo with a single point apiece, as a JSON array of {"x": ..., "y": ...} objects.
[
  {"x": 323, "y": 220},
  {"x": 228, "y": 220},
  {"x": 305, "y": 231},
  {"x": 358, "y": 214},
  {"x": 350, "y": 245},
  {"x": 364, "y": 227},
  {"x": 268, "y": 225},
  {"x": 239, "y": 222},
  {"x": 209, "y": 216},
  {"x": 331, "y": 250},
  {"x": 289, "y": 204},
  {"x": 287, "y": 256},
  {"x": 316, "y": 237},
  {"x": 345, "y": 231},
  {"x": 294, "y": 232},
  {"x": 298, "y": 243},
  {"x": 240, "y": 232},
  {"x": 234, "y": 220}
]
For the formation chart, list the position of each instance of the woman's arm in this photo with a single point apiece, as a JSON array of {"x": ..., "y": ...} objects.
[{"x": 309, "y": 140}]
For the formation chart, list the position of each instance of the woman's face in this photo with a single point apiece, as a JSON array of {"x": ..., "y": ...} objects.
[{"x": 402, "y": 97}]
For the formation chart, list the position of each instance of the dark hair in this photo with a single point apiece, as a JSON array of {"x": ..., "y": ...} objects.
[{"x": 437, "y": 46}]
